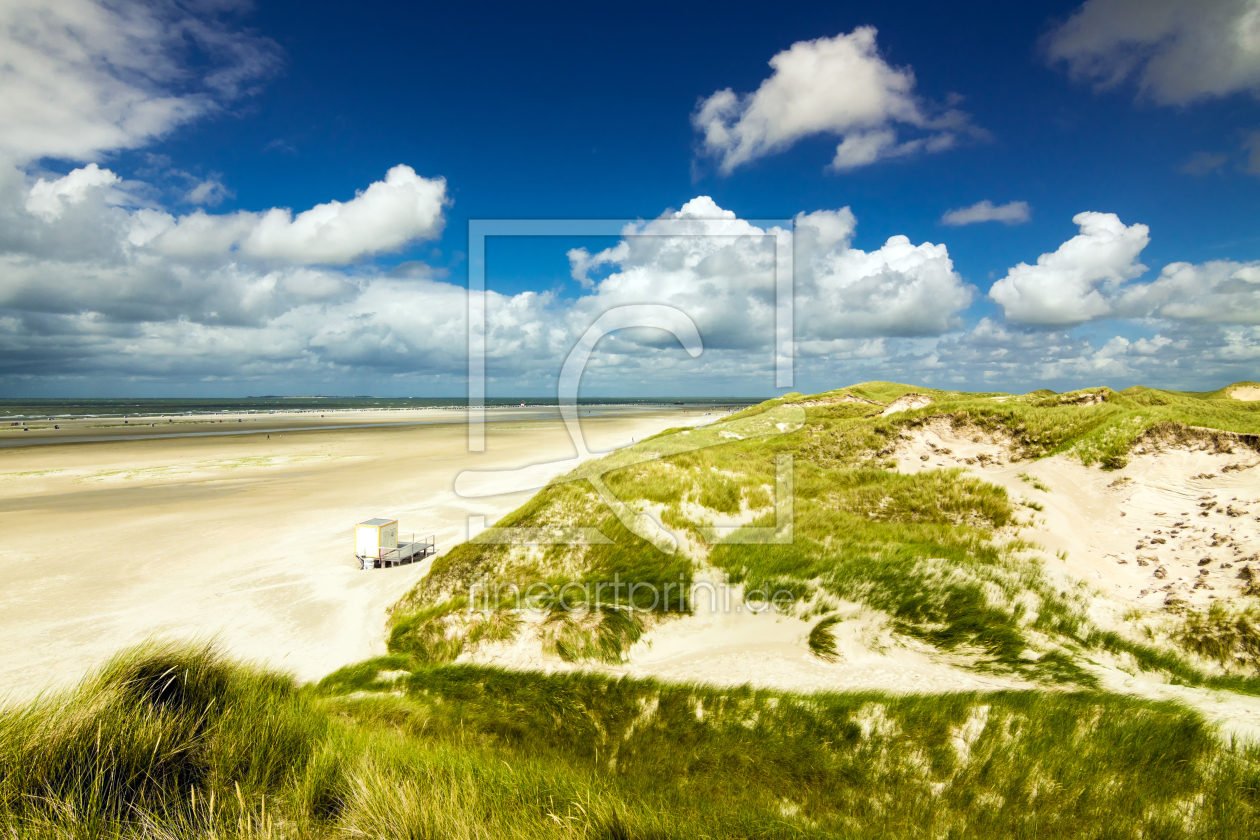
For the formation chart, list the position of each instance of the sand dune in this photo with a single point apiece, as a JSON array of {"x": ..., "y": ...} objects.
[
  {"x": 248, "y": 537},
  {"x": 1174, "y": 528}
]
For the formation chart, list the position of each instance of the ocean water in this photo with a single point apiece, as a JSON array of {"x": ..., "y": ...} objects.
[{"x": 30, "y": 409}]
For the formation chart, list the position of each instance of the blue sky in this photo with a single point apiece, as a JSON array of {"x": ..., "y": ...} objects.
[{"x": 218, "y": 111}]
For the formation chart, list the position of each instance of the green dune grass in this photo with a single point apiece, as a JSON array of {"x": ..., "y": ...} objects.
[{"x": 174, "y": 742}]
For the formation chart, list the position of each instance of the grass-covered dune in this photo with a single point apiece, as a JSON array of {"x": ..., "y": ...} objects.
[
  {"x": 171, "y": 742},
  {"x": 937, "y": 551}
]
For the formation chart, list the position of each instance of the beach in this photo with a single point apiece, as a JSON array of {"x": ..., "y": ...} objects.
[{"x": 245, "y": 537}]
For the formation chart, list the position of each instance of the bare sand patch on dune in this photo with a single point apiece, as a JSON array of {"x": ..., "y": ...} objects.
[
  {"x": 909, "y": 402},
  {"x": 728, "y": 645},
  {"x": 1246, "y": 393},
  {"x": 725, "y": 644},
  {"x": 1173, "y": 527},
  {"x": 938, "y": 444},
  {"x": 1177, "y": 527},
  {"x": 846, "y": 398}
]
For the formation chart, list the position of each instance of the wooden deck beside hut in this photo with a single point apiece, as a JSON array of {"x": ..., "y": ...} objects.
[{"x": 376, "y": 545}]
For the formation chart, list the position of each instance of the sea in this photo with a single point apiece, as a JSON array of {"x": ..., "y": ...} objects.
[{"x": 58, "y": 409}]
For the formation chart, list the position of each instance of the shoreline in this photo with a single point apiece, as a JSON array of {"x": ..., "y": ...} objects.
[
  {"x": 115, "y": 429},
  {"x": 41, "y": 416}
]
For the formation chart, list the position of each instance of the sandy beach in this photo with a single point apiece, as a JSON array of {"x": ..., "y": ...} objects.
[{"x": 244, "y": 537}]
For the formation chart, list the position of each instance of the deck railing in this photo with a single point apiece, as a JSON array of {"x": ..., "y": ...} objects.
[{"x": 408, "y": 552}]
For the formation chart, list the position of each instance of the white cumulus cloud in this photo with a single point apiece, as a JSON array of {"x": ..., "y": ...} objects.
[
  {"x": 702, "y": 259},
  {"x": 840, "y": 86},
  {"x": 1089, "y": 276},
  {"x": 900, "y": 289},
  {"x": 385, "y": 217},
  {"x": 1077, "y": 282},
  {"x": 720, "y": 270},
  {"x": 49, "y": 199},
  {"x": 84, "y": 243},
  {"x": 1011, "y": 213},
  {"x": 1220, "y": 291},
  {"x": 1176, "y": 51}
]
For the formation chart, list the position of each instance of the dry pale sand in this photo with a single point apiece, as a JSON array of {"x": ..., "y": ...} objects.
[
  {"x": 730, "y": 645},
  {"x": 1173, "y": 528},
  {"x": 1246, "y": 393},
  {"x": 725, "y": 644},
  {"x": 246, "y": 538}
]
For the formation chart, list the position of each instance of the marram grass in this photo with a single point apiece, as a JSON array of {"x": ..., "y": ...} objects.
[{"x": 175, "y": 742}]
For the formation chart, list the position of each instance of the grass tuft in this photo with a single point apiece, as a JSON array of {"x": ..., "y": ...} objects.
[
  {"x": 1035, "y": 482},
  {"x": 822, "y": 642}
]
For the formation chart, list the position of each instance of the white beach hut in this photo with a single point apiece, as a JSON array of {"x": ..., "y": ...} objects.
[
  {"x": 377, "y": 546},
  {"x": 374, "y": 536}
]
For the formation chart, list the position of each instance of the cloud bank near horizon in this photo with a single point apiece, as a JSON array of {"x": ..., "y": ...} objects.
[{"x": 88, "y": 289}]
